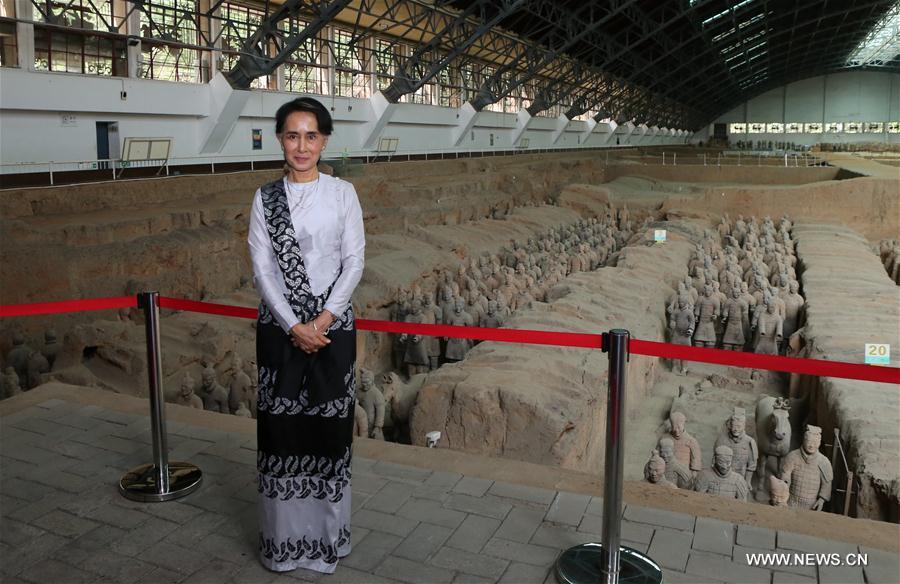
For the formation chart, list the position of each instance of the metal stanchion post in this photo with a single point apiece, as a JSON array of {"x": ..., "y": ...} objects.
[
  {"x": 609, "y": 562},
  {"x": 160, "y": 480}
]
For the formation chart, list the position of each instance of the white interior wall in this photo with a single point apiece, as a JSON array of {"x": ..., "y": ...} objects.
[
  {"x": 853, "y": 96},
  {"x": 805, "y": 100},
  {"x": 32, "y": 105}
]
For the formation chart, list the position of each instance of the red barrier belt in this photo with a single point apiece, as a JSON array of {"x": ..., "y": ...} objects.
[
  {"x": 35, "y": 309},
  {"x": 771, "y": 362},
  {"x": 817, "y": 367},
  {"x": 531, "y": 337},
  {"x": 206, "y": 307}
]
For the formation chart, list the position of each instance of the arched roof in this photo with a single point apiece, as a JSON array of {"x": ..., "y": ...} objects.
[
  {"x": 712, "y": 55},
  {"x": 671, "y": 63}
]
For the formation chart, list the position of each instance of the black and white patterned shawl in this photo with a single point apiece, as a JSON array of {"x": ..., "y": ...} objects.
[{"x": 322, "y": 380}]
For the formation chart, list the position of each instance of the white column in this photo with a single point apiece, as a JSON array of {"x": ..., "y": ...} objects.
[
  {"x": 373, "y": 83},
  {"x": 226, "y": 105},
  {"x": 327, "y": 59},
  {"x": 610, "y": 138},
  {"x": 523, "y": 120},
  {"x": 381, "y": 112},
  {"x": 639, "y": 132},
  {"x": 279, "y": 79},
  {"x": 585, "y": 134},
  {"x": 212, "y": 27},
  {"x": 562, "y": 123},
  {"x": 25, "y": 35},
  {"x": 133, "y": 28},
  {"x": 467, "y": 115},
  {"x": 278, "y": 73}
]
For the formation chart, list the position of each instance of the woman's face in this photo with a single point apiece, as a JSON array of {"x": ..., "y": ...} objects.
[{"x": 302, "y": 142}]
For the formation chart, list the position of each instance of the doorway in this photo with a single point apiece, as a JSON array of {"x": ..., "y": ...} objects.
[{"x": 107, "y": 144}]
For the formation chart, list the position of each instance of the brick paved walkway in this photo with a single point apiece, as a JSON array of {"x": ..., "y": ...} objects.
[{"x": 63, "y": 520}]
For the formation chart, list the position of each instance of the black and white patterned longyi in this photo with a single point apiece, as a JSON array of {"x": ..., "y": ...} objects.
[{"x": 304, "y": 419}]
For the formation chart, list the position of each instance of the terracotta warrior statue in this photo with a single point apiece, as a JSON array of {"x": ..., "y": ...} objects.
[
  {"x": 743, "y": 447},
  {"x": 51, "y": 347},
  {"x": 672, "y": 304},
  {"x": 492, "y": 318},
  {"x": 446, "y": 305},
  {"x": 779, "y": 492},
  {"x": 793, "y": 303},
  {"x": 241, "y": 386},
  {"x": 676, "y": 472},
  {"x": 10, "y": 383},
  {"x": 681, "y": 326},
  {"x": 720, "y": 479},
  {"x": 36, "y": 366},
  {"x": 186, "y": 395},
  {"x": 372, "y": 402},
  {"x": 735, "y": 317},
  {"x": 215, "y": 397},
  {"x": 706, "y": 311},
  {"x": 17, "y": 358},
  {"x": 655, "y": 471},
  {"x": 398, "y": 314},
  {"x": 808, "y": 473},
  {"x": 687, "y": 449},
  {"x": 415, "y": 357},
  {"x": 768, "y": 329},
  {"x": 432, "y": 315},
  {"x": 456, "y": 348},
  {"x": 360, "y": 422}
]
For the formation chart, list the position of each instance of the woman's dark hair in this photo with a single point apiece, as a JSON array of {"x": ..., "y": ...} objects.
[{"x": 304, "y": 104}]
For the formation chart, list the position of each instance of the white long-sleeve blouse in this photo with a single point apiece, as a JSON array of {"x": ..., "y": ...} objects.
[{"x": 328, "y": 224}]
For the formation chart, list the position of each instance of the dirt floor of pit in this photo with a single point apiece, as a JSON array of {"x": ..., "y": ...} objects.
[{"x": 440, "y": 238}]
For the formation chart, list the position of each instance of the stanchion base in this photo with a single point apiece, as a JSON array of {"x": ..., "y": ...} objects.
[
  {"x": 582, "y": 564},
  {"x": 139, "y": 484}
]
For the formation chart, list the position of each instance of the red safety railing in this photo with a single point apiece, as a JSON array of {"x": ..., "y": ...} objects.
[
  {"x": 163, "y": 480},
  {"x": 819, "y": 367}
]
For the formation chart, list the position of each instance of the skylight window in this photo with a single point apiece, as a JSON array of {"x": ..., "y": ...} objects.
[
  {"x": 721, "y": 36},
  {"x": 881, "y": 45},
  {"x": 740, "y": 26},
  {"x": 725, "y": 12},
  {"x": 747, "y": 52},
  {"x": 745, "y": 41},
  {"x": 755, "y": 79}
]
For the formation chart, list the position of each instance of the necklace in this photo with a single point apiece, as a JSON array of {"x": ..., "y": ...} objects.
[{"x": 303, "y": 192}]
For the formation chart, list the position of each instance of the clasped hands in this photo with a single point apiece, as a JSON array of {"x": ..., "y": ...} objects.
[{"x": 310, "y": 337}]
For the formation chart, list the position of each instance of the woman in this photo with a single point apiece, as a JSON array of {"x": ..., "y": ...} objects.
[{"x": 307, "y": 246}]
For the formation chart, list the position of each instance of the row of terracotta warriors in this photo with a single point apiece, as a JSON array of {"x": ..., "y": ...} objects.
[{"x": 802, "y": 479}]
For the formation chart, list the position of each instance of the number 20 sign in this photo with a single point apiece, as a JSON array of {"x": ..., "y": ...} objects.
[{"x": 878, "y": 354}]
